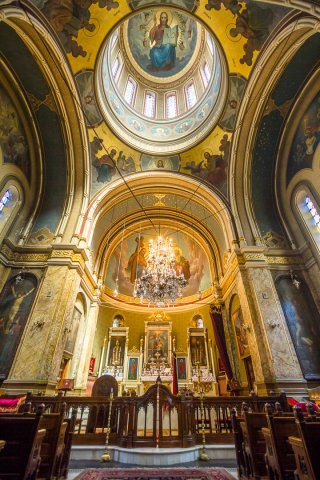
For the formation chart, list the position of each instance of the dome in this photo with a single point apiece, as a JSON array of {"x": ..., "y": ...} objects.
[{"x": 162, "y": 81}]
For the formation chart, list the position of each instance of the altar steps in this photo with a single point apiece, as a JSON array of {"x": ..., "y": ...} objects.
[{"x": 83, "y": 456}]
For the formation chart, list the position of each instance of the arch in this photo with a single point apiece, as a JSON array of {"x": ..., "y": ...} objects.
[
  {"x": 291, "y": 41},
  {"x": 55, "y": 76}
]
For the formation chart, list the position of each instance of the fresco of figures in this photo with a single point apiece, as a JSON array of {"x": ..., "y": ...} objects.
[
  {"x": 13, "y": 142},
  {"x": 252, "y": 21},
  {"x": 162, "y": 41},
  {"x": 69, "y": 17},
  {"x": 15, "y": 303},
  {"x": 213, "y": 167},
  {"x": 306, "y": 139},
  {"x": 303, "y": 321},
  {"x": 129, "y": 260}
]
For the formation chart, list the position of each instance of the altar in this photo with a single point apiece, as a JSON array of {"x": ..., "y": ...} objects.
[{"x": 157, "y": 356}]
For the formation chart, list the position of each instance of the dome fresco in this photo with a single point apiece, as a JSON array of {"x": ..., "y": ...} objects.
[
  {"x": 162, "y": 78},
  {"x": 162, "y": 42}
]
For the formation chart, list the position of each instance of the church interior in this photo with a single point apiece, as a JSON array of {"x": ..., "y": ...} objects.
[{"x": 160, "y": 229}]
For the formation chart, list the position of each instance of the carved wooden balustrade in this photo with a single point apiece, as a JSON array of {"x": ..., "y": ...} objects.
[{"x": 157, "y": 418}]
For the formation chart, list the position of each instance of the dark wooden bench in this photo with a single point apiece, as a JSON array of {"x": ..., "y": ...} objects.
[
  {"x": 306, "y": 446},
  {"x": 20, "y": 457},
  {"x": 57, "y": 442},
  {"x": 254, "y": 446},
  {"x": 53, "y": 444},
  {"x": 238, "y": 442},
  {"x": 279, "y": 457}
]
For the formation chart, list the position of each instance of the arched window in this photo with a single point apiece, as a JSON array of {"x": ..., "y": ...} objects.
[
  {"x": 312, "y": 209},
  {"x": 171, "y": 105},
  {"x": 149, "y": 109},
  {"x": 309, "y": 211},
  {"x": 130, "y": 91},
  {"x": 116, "y": 68},
  {"x": 205, "y": 74},
  {"x": 191, "y": 95},
  {"x": 9, "y": 204}
]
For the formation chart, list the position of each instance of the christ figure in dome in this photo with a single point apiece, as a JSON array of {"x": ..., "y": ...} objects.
[{"x": 164, "y": 40}]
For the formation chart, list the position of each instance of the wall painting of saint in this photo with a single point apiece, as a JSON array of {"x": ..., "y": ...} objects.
[
  {"x": 15, "y": 304},
  {"x": 303, "y": 321},
  {"x": 133, "y": 368},
  {"x": 181, "y": 368}
]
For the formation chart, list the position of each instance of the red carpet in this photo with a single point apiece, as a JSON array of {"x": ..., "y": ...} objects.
[{"x": 155, "y": 474}]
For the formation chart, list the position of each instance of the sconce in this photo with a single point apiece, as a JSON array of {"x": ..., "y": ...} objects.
[
  {"x": 38, "y": 324},
  {"x": 273, "y": 324}
]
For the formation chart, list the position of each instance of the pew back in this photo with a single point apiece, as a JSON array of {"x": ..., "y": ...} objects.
[{"x": 20, "y": 458}]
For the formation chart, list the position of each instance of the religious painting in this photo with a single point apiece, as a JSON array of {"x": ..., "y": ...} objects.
[
  {"x": 181, "y": 367},
  {"x": 106, "y": 164},
  {"x": 162, "y": 41},
  {"x": 306, "y": 139},
  {"x": 72, "y": 335},
  {"x": 189, "y": 5},
  {"x": 133, "y": 368},
  {"x": 213, "y": 165},
  {"x": 158, "y": 346},
  {"x": 70, "y": 18},
  {"x": 92, "y": 114},
  {"x": 237, "y": 85},
  {"x": 198, "y": 353},
  {"x": 153, "y": 162},
  {"x": 240, "y": 333},
  {"x": 251, "y": 22},
  {"x": 116, "y": 351},
  {"x": 13, "y": 140},
  {"x": 129, "y": 260},
  {"x": 303, "y": 321},
  {"x": 15, "y": 304}
]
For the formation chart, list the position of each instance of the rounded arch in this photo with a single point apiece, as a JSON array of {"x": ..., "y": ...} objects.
[
  {"x": 30, "y": 28},
  {"x": 290, "y": 189},
  {"x": 270, "y": 71}
]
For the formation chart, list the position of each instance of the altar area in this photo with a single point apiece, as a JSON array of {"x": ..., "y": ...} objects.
[{"x": 137, "y": 369}]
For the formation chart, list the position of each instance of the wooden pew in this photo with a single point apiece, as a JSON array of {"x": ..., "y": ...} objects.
[
  {"x": 68, "y": 440},
  {"x": 238, "y": 441},
  {"x": 56, "y": 445},
  {"x": 53, "y": 444},
  {"x": 20, "y": 458},
  {"x": 254, "y": 446},
  {"x": 279, "y": 457},
  {"x": 306, "y": 447}
]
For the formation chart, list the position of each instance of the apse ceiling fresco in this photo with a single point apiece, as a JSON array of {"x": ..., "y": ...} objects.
[
  {"x": 129, "y": 259},
  {"x": 238, "y": 30}
]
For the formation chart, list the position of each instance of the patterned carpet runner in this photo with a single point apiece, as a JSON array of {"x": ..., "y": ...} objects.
[{"x": 141, "y": 473}]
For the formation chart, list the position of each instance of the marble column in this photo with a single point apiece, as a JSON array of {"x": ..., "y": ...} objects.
[
  {"x": 38, "y": 359},
  {"x": 89, "y": 331},
  {"x": 274, "y": 359}
]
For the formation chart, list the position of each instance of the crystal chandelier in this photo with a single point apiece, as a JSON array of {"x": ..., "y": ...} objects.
[{"x": 159, "y": 283}]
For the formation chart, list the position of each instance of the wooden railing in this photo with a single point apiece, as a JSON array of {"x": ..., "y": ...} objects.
[{"x": 157, "y": 418}]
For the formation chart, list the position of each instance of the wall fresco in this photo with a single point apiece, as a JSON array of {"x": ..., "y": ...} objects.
[{"x": 13, "y": 140}]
